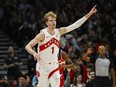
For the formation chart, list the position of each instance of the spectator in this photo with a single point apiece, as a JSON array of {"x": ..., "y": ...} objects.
[
  {"x": 12, "y": 63},
  {"x": 34, "y": 81},
  {"x": 25, "y": 33},
  {"x": 12, "y": 82},
  {"x": 3, "y": 81},
  {"x": 83, "y": 70},
  {"x": 22, "y": 81},
  {"x": 80, "y": 69},
  {"x": 78, "y": 81},
  {"x": 91, "y": 81},
  {"x": 31, "y": 66}
]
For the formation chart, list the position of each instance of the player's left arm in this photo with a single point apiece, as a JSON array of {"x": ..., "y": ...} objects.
[
  {"x": 69, "y": 64},
  {"x": 78, "y": 23}
]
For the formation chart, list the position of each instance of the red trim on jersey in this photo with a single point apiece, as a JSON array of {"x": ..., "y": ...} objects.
[
  {"x": 49, "y": 43},
  {"x": 51, "y": 73},
  {"x": 62, "y": 80},
  {"x": 37, "y": 73},
  {"x": 59, "y": 61}
]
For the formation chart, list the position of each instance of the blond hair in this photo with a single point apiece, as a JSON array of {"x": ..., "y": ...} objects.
[{"x": 49, "y": 14}]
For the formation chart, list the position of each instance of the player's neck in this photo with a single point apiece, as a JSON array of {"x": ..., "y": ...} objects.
[{"x": 50, "y": 31}]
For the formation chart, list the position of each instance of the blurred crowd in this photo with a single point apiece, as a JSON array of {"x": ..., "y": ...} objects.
[
  {"x": 24, "y": 19},
  {"x": 21, "y": 20}
]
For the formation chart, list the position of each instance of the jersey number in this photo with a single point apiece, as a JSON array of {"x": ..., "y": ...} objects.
[{"x": 52, "y": 50}]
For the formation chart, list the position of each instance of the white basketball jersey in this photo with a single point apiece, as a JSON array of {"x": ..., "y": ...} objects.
[{"x": 48, "y": 49}]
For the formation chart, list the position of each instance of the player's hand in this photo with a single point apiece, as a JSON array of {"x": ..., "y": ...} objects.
[
  {"x": 36, "y": 56},
  {"x": 93, "y": 10},
  {"x": 89, "y": 51}
]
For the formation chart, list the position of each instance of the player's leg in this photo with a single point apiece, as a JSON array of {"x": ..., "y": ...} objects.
[
  {"x": 43, "y": 80},
  {"x": 55, "y": 79}
]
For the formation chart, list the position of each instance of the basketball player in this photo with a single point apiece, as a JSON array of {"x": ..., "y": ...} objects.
[
  {"x": 48, "y": 48},
  {"x": 65, "y": 63}
]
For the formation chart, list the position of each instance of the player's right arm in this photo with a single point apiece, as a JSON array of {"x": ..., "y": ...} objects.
[
  {"x": 29, "y": 47},
  {"x": 85, "y": 57}
]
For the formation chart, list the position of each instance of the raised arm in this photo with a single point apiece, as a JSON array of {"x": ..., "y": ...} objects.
[
  {"x": 85, "y": 57},
  {"x": 33, "y": 42},
  {"x": 78, "y": 23}
]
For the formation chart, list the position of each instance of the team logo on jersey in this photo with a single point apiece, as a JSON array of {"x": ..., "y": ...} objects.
[
  {"x": 37, "y": 73},
  {"x": 57, "y": 35}
]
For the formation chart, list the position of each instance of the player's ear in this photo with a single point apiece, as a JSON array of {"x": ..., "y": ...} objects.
[{"x": 46, "y": 23}]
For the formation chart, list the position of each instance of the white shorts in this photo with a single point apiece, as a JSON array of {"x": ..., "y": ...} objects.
[{"x": 48, "y": 74}]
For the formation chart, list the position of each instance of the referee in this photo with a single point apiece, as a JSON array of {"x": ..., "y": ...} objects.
[{"x": 103, "y": 67}]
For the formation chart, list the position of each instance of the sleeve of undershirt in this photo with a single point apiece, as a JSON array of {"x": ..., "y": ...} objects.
[{"x": 77, "y": 24}]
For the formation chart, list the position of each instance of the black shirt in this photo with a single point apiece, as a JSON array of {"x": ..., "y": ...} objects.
[{"x": 13, "y": 71}]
